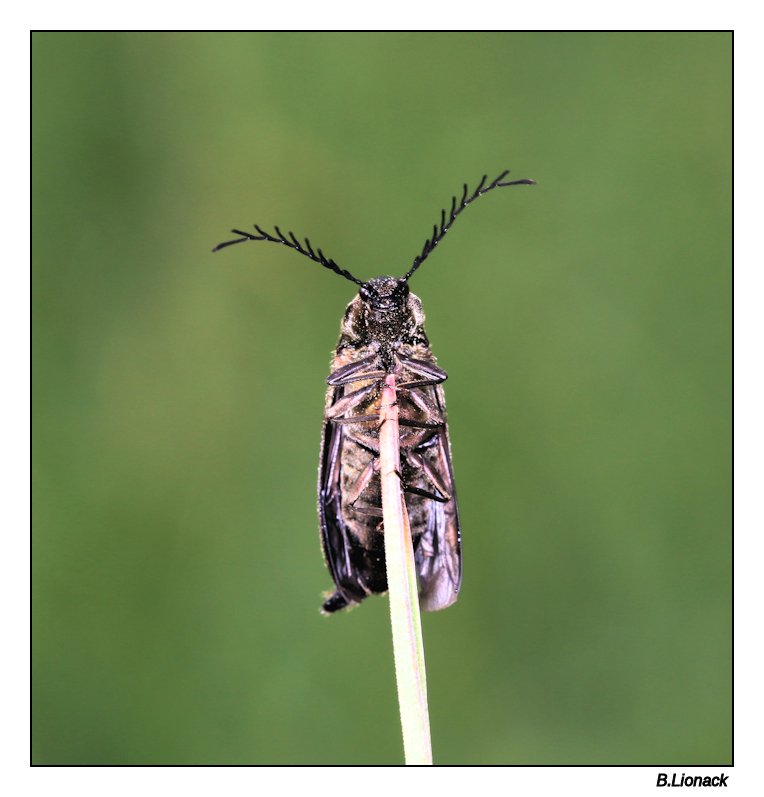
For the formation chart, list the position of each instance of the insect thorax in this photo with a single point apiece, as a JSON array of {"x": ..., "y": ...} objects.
[{"x": 378, "y": 319}]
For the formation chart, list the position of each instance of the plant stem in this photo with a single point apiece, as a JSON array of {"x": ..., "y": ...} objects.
[{"x": 402, "y": 587}]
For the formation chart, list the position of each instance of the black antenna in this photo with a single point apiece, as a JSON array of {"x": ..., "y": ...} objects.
[
  {"x": 437, "y": 236},
  {"x": 318, "y": 257}
]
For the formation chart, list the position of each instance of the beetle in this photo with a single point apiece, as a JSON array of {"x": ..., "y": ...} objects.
[{"x": 382, "y": 333}]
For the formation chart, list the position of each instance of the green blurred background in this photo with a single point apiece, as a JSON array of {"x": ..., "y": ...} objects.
[{"x": 178, "y": 395}]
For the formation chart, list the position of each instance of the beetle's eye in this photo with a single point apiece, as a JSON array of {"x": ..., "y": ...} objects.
[{"x": 367, "y": 295}]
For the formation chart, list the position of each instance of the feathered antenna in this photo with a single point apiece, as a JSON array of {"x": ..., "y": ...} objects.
[
  {"x": 318, "y": 256},
  {"x": 437, "y": 235}
]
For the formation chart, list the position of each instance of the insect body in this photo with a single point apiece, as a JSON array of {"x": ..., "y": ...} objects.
[{"x": 382, "y": 333}]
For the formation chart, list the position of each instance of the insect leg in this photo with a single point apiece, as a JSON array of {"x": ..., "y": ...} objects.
[
  {"x": 418, "y": 424},
  {"x": 424, "y": 405},
  {"x": 421, "y": 462},
  {"x": 407, "y": 488},
  {"x": 425, "y": 494},
  {"x": 362, "y": 482},
  {"x": 369, "y": 511},
  {"x": 362, "y": 377},
  {"x": 423, "y": 383},
  {"x": 346, "y": 403},
  {"x": 330, "y": 478},
  {"x": 433, "y": 375},
  {"x": 357, "y": 419},
  {"x": 354, "y": 372}
]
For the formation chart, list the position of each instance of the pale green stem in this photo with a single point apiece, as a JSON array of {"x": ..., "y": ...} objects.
[{"x": 402, "y": 585}]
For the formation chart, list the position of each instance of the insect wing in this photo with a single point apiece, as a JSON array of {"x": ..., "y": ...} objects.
[
  {"x": 439, "y": 553},
  {"x": 335, "y": 541}
]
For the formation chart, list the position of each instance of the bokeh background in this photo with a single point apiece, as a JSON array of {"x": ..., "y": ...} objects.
[{"x": 178, "y": 395}]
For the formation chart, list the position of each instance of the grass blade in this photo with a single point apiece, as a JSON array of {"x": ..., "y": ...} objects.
[{"x": 402, "y": 585}]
